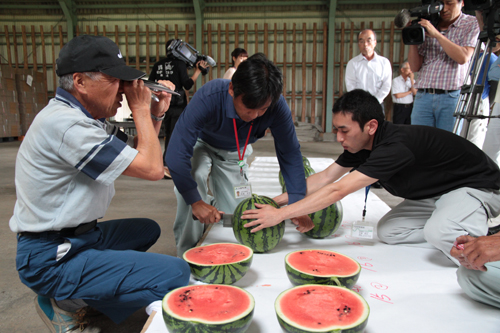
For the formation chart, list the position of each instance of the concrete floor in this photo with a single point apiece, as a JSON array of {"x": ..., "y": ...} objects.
[{"x": 134, "y": 198}]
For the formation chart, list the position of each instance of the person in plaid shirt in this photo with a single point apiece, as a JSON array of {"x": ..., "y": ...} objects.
[{"x": 442, "y": 61}]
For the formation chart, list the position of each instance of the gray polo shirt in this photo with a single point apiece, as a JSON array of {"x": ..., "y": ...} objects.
[{"x": 66, "y": 167}]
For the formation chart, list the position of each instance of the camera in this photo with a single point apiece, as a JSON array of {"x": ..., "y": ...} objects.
[
  {"x": 414, "y": 34},
  {"x": 185, "y": 52},
  {"x": 490, "y": 11}
]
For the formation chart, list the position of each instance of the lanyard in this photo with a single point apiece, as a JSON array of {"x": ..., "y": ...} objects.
[
  {"x": 367, "y": 189},
  {"x": 240, "y": 156}
]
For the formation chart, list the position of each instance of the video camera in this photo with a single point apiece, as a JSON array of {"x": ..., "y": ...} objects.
[
  {"x": 414, "y": 34},
  {"x": 185, "y": 52}
]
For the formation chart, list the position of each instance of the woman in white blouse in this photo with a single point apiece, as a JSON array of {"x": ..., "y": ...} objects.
[{"x": 239, "y": 55}]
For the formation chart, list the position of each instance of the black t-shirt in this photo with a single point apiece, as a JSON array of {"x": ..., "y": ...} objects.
[
  {"x": 174, "y": 70},
  {"x": 418, "y": 162}
]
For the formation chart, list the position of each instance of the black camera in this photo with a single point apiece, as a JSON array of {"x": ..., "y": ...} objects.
[
  {"x": 490, "y": 11},
  {"x": 185, "y": 52},
  {"x": 414, "y": 34}
]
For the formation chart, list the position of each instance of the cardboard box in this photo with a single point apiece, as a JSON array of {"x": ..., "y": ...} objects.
[{"x": 7, "y": 72}]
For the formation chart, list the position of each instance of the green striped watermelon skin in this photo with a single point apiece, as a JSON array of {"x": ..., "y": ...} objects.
[
  {"x": 175, "y": 325},
  {"x": 263, "y": 240},
  {"x": 326, "y": 221},
  {"x": 298, "y": 278},
  {"x": 221, "y": 274}
]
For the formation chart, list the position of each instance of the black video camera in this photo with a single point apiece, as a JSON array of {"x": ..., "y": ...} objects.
[
  {"x": 185, "y": 52},
  {"x": 490, "y": 10},
  {"x": 414, "y": 34}
]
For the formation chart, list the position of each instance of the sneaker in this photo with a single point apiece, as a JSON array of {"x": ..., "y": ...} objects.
[
  {"x": 166, "y": 173},
  {"x": 60, "y": 321}
]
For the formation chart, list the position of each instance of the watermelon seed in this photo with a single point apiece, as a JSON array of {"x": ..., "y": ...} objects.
[{"x": 319, "y": 323}]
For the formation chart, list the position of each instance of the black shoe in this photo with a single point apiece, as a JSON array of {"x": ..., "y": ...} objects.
[
  {"x": 493, "y": 230},
  {"x": 376, "y": 185}
]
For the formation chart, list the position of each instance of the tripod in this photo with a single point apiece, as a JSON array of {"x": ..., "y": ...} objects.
[{"x": 470, "y": 99}]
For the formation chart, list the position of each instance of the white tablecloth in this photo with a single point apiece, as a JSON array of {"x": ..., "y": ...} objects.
[{"x": 409, "y": 288}]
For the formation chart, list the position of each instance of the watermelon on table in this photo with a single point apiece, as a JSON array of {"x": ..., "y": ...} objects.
[
  {"x": 326, "y": 221},
  {"x": 321, "y": 267},
  {"x": 263, "y": 240},
  {"x": 210, "y": 308},
  {"x": 221, "y": 263},
  {"x": 321, "y": 309},
  {"x": 308, "y": 170}
]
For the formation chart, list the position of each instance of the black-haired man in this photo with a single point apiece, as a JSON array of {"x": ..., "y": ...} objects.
[
  {"x": 449, "y": 185},
  {"x": 204, "y": 154}
]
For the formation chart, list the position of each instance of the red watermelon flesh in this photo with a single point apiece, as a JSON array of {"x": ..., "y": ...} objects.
[
  {"x": 322, "y": 263},
  {"x": 209, "y": 303},
  {"x": 218, "y": 254},
  {"x": 318, "y": 307}
]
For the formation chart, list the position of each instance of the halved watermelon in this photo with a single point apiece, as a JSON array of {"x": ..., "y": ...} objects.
[
  {"x": 210, "y": 308},
  {"x": 321, "y": 308},
  {"x": 321, "y": 267},
  {"x": 222, "y": 263},
  {"x": 263, "y": 240}
]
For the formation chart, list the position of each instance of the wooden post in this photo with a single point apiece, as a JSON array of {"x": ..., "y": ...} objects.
[
  {"x": 325, "y": 55},
  {"x": 246, "y": 37},
  {"x": 284, "y": 59},
  {"x": 53, "y": 59},
  {"x": 87, "y": 32},
  {"x": 25, "y": 46},
  {"x": 341, "y": 67},
  {"x": 219, "y": 49},
  {"x": 382, "y": 39},
  {"x": 304, "y": 80},
  {"x": 227, "y": 54},
  {"x": 351, "y": 41},
  {"x": 158, "y": 42},
  {"x": 14, "y": 39},
  {"x": 148, "y": 70},
  {"x": 117, "y": 38},
  {"x": 77, "y": 31},
  {"x": 256, "y": 38},
  {"x": 236, "y": 35},
  {"x": 96, "y": 31},
  {"x": 126, "y": 45},
  {"x": 104, "y": 31},
  {"x": 275, "y": 42},
  {"x": 294, "y": 60},
  {"x": 33, "y": 48},
  {"x": 266, "y": 41},
  {"x": 209, "y": 46},
  {"x": 7, "y": 39},
  {"x": 313, "y": 76},
  {"x": 61, "y": 39},
  {"x": 137, "y": 50},
  {"x": 44, "y": 59}
]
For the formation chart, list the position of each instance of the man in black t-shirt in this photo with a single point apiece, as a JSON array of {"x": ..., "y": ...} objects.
[
  {"x": 450, "y": 186},
  {"x": 174, "y": 70}
]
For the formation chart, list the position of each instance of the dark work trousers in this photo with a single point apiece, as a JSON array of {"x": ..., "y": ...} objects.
[
  {"x": 402, "y": 113},
  {"x": 171, "y": 117}
]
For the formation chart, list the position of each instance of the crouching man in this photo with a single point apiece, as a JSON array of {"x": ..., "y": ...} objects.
[{"x": 65, "y": 170}]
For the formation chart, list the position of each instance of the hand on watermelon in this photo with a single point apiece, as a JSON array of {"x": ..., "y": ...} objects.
[
  {"x": 205, "y": 213},
  {"x": 265, "y": 216},
  {"x": 303, "y": 223}
]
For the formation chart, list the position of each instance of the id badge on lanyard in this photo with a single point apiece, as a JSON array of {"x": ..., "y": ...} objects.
[{"x": 243, "y": 189}]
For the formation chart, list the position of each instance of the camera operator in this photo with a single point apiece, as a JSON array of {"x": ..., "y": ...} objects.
[
  {"x": 442, "y": 61},
  {"x": 174, "y": 70}
]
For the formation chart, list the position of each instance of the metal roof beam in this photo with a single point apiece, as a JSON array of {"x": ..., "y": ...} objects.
[{"x": 69, "y": 11}]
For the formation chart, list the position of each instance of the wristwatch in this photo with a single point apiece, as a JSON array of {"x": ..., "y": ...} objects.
[{"x": 158, "y": 118}]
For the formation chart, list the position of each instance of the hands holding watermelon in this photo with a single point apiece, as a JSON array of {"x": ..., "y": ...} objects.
[
  {"x": 267, "y": 216},
  {"x": 477, "y": 251}
]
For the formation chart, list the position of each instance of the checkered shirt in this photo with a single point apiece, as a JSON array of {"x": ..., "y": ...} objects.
[{"x": 438, "y": 70}]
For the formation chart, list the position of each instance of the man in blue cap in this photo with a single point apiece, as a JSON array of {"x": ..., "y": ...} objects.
[{"x": 65, "y": 170}]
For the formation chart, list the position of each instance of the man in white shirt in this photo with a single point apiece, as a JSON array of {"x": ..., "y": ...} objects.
[
  {"x": 368, "y": 70},
  {"x": 402, "y": 95}
]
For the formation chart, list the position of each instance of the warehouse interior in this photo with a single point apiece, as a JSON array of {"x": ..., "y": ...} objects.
[{"x": 310, "y": 41}]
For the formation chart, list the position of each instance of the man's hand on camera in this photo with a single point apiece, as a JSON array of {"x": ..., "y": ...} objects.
[
  {"x": 430, "y": 30},
  {"x": 159, "y": 108},
  {"x": 138, "y": 97}
]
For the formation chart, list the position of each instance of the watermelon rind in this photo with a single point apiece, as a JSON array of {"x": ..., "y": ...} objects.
[
  {"x": 290, "y": 327},
  {"x": 177, "y": 324},
  {"x": 220, "y": 274},
  {"x": 326, "y": 221},
  {"x": 263, "y": 240},
  {"x": 298, "y": 277}
]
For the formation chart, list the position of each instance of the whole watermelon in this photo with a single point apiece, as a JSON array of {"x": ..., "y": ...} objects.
[
  {"x": 326, "y": 221},
  {"x": 263, "y": 240},
  {"x": 307, "y": 170}
]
